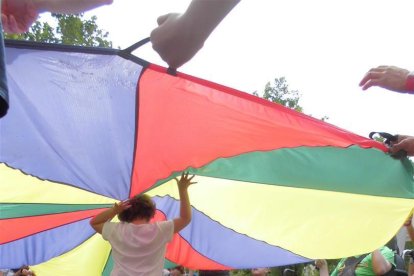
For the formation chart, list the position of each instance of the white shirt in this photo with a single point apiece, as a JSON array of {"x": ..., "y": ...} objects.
[
  {"x": 7, "y": 272},
  {"x": 138, "y": 249}
]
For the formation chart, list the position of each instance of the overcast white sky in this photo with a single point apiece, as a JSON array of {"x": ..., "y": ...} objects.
[{"x": 322, "y": 47}]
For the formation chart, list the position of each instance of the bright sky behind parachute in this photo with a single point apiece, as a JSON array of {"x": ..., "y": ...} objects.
[
  {"x": 322, "y": 47},
  {"x": 275, "y": 187}
]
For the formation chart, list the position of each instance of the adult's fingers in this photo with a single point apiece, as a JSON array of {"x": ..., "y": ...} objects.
[
  {"x": 370, "y": 83},
  {"x": 9, "y": 25},
  {"x": 397, "y": 147},
  {"x": 401, "y": 137},
  {"x": 161, "y": 19},
  {"x": 14, "y": 27},
  {"x": 4, "y": 22},
  {"x": 371, "y": 75}
]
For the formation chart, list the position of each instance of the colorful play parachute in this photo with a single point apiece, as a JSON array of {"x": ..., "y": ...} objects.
[{"x": 88, "y": 127}]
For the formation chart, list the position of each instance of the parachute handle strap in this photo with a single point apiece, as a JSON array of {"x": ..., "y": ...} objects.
[
  {"x": 130, "y": 49},
  {"x": 389, "y": 138},
  {"x": 172, "y": 71},
  {"x": 135, "y": 46}
]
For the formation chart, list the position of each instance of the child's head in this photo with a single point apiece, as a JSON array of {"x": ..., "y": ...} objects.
[
  {"x": 24, "y": 270},
  {"x": 177, "y": 271},
  {"x": 142, "y": 207}
]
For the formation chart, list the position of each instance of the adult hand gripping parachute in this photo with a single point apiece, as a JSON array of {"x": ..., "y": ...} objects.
[{"x": 88, "y": 127}]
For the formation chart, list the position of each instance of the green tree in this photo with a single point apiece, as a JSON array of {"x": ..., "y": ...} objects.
[
  {"x": 280, "y": 93},
  {"x": 240, "y": 272},
  {"x": 70, "y": 30}
]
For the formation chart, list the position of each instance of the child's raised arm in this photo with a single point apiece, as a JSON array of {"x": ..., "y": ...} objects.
[{"x": 185, "y": 207}]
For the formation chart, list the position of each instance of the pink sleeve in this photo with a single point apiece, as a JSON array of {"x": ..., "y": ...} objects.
[{"x": 409, "y": 84}]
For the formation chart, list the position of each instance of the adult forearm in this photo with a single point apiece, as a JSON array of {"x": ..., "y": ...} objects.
[
  {"x": 68, "y": 6},
  {"x": 185, "y": 207},
  {"x": 379, "y": 264},
  {"x": 208, "y": 13},
  {"x": 323, "y": 271},
  {"x": 104, "y": 216},
  {"x": 410, "y": 268},
  {"x": 410, "y": 231}
]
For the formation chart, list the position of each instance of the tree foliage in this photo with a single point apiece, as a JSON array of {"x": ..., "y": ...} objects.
[
  {"x": 280, "y": 93},
  {"x": 70, "y": 30}
]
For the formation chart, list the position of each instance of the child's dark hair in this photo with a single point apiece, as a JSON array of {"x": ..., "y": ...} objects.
[
  {"x": 142, "y": 207},
  {"x": 180, "y": 268}
]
